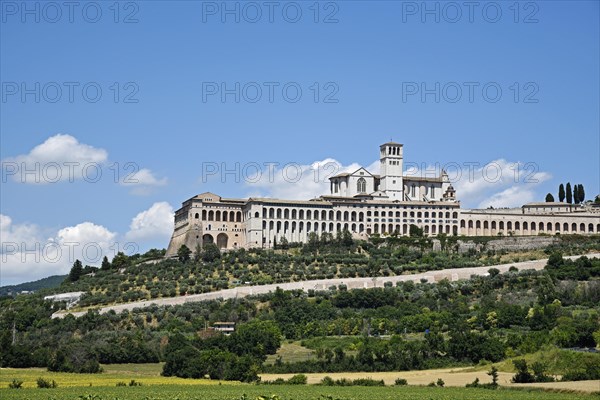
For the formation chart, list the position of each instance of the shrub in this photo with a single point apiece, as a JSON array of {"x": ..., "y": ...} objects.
[
  {"x": 440, "y": 382},
  {"x": 400, "y": 382},
  {"x": 297, "y": 380},
  {"x": 46, "y": 384},
  {"x": 119, "y": 384},
  {"x": 15, "y": 384},
  {"x": 474, "y": 384},
  {"x": 327, "y": 381},
  {"x": 523, "y": 375},
  {"x": 494, "y": 374},
  {"x": 539, "y": 371},
  {"x": 367, "y": 382}
]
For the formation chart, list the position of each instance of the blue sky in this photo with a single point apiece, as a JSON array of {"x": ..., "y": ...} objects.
[{"x": 162, "y": 66}]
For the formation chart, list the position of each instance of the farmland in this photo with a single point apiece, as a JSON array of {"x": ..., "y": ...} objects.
[
  {"x": 153, "y": 386},
  {"x": 251, "y": 392},
  {"x": 169, "y": 388}
]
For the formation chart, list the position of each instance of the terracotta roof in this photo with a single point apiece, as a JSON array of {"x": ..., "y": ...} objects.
[
  {"x": 317, "y": 202},
  {"x": 548, "y": 204},
  {"x": 340, "y": 175},
  {"x": 391, "y": 144},
  {"x": 343, "y": 174},
  {"x": 421, "y": 179}
]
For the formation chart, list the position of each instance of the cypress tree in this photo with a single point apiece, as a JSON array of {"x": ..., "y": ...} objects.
[
  {"x": 76, "y": 271},
  {"x": 576, "y": 194},
  {"x": 549, "y": 198},
  {"x": 569, "y": 193},
  {"x": 561, "y": 193},
  {"x": 105, "y": 264}
]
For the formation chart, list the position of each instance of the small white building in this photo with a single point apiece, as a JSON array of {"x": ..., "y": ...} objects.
[
  {"x": 227, "y": 328},
  {"x": 71, "y": 298}
]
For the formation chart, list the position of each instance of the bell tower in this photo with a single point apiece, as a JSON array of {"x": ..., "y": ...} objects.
[{"x": 390, "y": 157}]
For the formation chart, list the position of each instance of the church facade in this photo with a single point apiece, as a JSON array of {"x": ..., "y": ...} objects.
[{"x": 366, "y": 204}]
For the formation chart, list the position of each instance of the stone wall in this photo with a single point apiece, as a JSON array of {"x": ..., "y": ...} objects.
[{"x": 509, "y": 243}]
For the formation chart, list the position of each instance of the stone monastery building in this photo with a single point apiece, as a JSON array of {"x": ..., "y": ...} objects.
[{"x": 364, "y": 204}]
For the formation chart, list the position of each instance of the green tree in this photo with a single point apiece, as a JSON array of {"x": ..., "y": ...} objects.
[
  {"x": 581, "y": 193},
  {"x": 415, "y": 231},
  {"x": 561, "y": 193},
  {"x": 197, "y": 252},
  {"x": 494, "y": 374},
  {"x": 569, "y": 193},
  {"x": 539, "y": 372},
  {"x": 313, "y": 242},
  {"x": 105, "y": 264},
  {"x": 183, "y": 254},
  {"x": 76, "y": 271},
  {"x": 576, "y": 194},
  {"x": 120, "y": 261},
  {"x": 347, "y": 239},
  {"x": 75, "y": 357},
  {"x": 256, "y": 338},
  {"x": 545, "y": 290},
  {"x": 549, "y": 198},
  {"x": 211, "y": 252},
  {"x": 284, "y": 244},
  {"x": 523, "y": 375}
]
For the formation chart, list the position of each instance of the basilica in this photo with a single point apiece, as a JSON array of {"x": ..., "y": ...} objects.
[{"x": 366, "y": 204}]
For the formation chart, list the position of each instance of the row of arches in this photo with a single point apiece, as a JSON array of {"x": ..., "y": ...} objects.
[
  {"x": 479, "y": 227},
  {"x": 324, "y": 215},
  {"x": 290, "y": 228},
  {"x": 222, "y": 240},
  {"x": 226, "y": 216}
]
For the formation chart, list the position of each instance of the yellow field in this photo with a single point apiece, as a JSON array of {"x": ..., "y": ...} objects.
[{"x": 147, "y": 374}]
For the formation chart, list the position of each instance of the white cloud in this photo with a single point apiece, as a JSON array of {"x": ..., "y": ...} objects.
[
  {"x": 60, "y": 158},
  {"x": 514, "y": 196},
  {"x": 16, "y": 233},
  {"x": 155, "y": 223},
  {"x": 142, "y": 181},
  {"x": 299, "y": 182},
  {"x": 28, "y": 255},
  {"x": 86, "y": 233},
  {"x": 499, "y": 183}
]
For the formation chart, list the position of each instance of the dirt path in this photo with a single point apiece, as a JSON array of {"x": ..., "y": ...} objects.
[
  {"x": 457, "y": 377},
  {"x": 452, "y": 274}
]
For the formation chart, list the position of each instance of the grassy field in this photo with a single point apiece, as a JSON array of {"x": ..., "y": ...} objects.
[
  {"x": 257, "y": 392},
  {"x": 155, "y": 387},
  {"x": 291, "y": 352}
]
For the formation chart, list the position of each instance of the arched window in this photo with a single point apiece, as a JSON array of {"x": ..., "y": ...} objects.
[{"x": 361, "y": 185}]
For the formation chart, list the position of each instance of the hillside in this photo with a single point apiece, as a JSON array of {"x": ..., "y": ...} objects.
[
  {"x": 409, "y": 326},
  {"x": 524, "y": 319},
  {"x": 50, "y": 282},
  {"x": 144, "y": 277}
]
